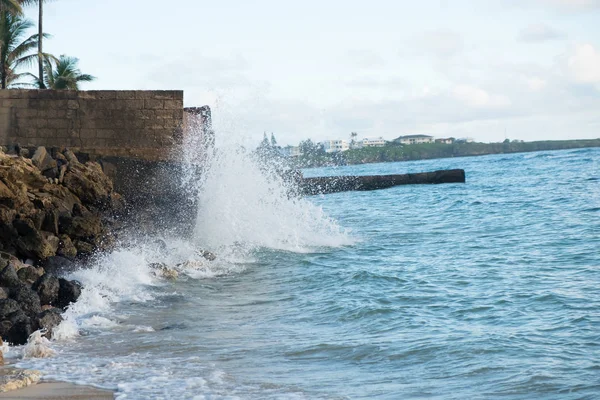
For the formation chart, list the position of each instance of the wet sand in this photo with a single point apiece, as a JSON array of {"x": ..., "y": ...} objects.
[{"x": 58, "y": 391}]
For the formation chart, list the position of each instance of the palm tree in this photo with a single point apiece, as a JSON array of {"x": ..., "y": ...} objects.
[
  {"x": 11, "y": 6},
  {"x": 14, "y": 52},
  {"x": 40, "y": 4},
  {"x": 65, "y": 74}
]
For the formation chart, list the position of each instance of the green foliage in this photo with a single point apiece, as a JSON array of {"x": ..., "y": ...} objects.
[
  {"x": 14, "y": 51},
  {"x": 63, "y": 74},
  {"x": 397, "y": 152}
]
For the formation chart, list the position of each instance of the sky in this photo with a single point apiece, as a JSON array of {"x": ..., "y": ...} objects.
[{"x": 321, "y": 69}]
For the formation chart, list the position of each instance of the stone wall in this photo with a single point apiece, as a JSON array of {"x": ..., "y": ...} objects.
[{"x": 133, "y": 124}]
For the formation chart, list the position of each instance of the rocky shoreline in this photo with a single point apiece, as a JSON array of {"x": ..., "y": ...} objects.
[{"x": 55, "y": 212}]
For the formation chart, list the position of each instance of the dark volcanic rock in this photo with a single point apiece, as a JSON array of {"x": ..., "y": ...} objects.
[
  {"x": 68, "y": 292},
  {"x": 58, "y": 266},
  {"x": 9, "y": 277},
  {"x": 47, "y": 288},
  {"x": 28, "y": 300},
  {"x": 30, "y": 241},
  {"x": 7, "y": 307},
  {"x": 49, "y": 320},
  {"x": 29, "y": 274},
  {"x": 66, "y": 248},
  {"x": 20, "y": 327}
]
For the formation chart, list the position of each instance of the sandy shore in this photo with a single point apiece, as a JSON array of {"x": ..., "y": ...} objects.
[{"x": 58, "y": 391}]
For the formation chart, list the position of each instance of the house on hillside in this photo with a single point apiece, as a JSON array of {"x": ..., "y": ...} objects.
[
  {"x": 445, "y": 140},
  {"x": 372, "y": 142},
  {"x": 414, "y": 139},
  {"x": 335, "y": 146}
]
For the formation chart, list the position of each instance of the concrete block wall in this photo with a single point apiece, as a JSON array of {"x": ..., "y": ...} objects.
[{"x": 133, "y": 124}]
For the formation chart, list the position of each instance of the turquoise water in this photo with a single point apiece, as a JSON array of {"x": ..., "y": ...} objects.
[{"x": 489, "y": 289}]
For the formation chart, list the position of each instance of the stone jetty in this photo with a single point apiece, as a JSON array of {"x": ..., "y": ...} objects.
[{"x": 334, "y": 184}]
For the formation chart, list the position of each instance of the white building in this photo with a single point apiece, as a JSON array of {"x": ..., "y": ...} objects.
[
  {"x": 373, "y": 142},
  {"x": 445, "y": 140},
  {"x": 291, "y": 151},
  {"x": 335, "y": 146},
  {"x": 414, "y": 139}
]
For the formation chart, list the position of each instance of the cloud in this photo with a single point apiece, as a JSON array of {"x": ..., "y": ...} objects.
[
  {"x": 572, "y": 5},
  {"x": 536, "y": 84},
  {"x": 479, "y": 98},
  {"x": 364, "y": 58},
  {"x": 443, "y": 44},
  {"x": 583, "y": 64},
  {"x": 540, "y": 33}
]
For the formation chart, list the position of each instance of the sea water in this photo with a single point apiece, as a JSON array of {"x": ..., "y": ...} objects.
[{"x": 488, "y": 289}]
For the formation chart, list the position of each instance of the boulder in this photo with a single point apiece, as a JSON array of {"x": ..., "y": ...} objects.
[
  {"x": 58, "y": 266},
  {"x": 80, "y": 227},
  {"x": 9, "y": 277},
  {"x": 47, "y": 288},
  {"x": 4, "y": 293},
  {"x": 89, "y": 183},
  {"x": 71, "y": 157},
  {"x": 43, "y": 160},
  {"x": 30, "y": 242},
  {"x": 28, "y": 300},
  {"x": 29, "y": 274},
  {"x": 66, "y": 248},
  {"x": 7, "y": 307},
  {"x": 48, "y": 320},
  {"x": 68, "y": 292},
  {"x": 50, "y": 223},
  {"x": 84, "y": 248},
  {"x": 20, "y": 326}
]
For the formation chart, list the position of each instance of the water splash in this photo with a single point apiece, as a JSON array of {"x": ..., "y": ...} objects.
[{"x": 245, "y": 203}]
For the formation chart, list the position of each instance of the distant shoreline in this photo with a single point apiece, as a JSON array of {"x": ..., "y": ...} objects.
[{"x": 393, "y": 152}]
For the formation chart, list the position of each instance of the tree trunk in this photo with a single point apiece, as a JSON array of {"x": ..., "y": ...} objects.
[{"x": 40, "y": 49}]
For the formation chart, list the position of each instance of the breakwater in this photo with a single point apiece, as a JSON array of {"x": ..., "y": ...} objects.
[{"x": 334, "y": 184}]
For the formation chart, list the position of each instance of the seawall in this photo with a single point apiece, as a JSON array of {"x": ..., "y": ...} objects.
[{"x": 134, "y": 135}]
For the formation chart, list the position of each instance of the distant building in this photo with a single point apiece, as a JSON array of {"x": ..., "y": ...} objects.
[
  {"x": 414, "y": 139},
  {"x": 372, "y": 142},
  {"x": 465, "y": 140},
  {"x": 335, "y": 146},
  {"x": 291, "y": 151},
  {"x": 445, "y": 140}
]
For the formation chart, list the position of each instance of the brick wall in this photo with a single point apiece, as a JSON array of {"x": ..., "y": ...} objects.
[{"x": 133, "y": 124}]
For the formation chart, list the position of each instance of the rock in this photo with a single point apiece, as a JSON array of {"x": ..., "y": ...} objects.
[
  {"x": 70, "y": 156},
  {"x": 7, "y": 197},
  {"x": 61, "y": 173},
  {"x": 28, "y": 300},
  {"x": 59, "y": 266},
  {"x": 80, "y": 227},
  {"x": 47, "y": 287},
  {"x": 84, "y": 248},
  {"x": 208, "y": 255},
  {"x": 48, "y": 320},
  {"x": 161, "y": 270},
  {"x": 24, "y": 153},
  {"x": 30, "y": 242},
  {"x": 89, "y": 183},
  {"x": 21, "y": 326},
  {"x": 9, "y": 277},
  {"x": 52, "y": 240},
  {"x": 68, "y": 292},
  {"x": 43, "y": 160},
  {"x": 4, "y": 293},
  {"x": 66, "y": 248},
  {"x": 29, "y": 274},
  {"x": 7, "y": 307},
  {"x": 51, "y": 173},
  {"x": 50, "y": 223}
]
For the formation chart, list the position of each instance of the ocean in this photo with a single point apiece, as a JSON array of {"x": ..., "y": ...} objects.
[{"x": 483, "y": 290}]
